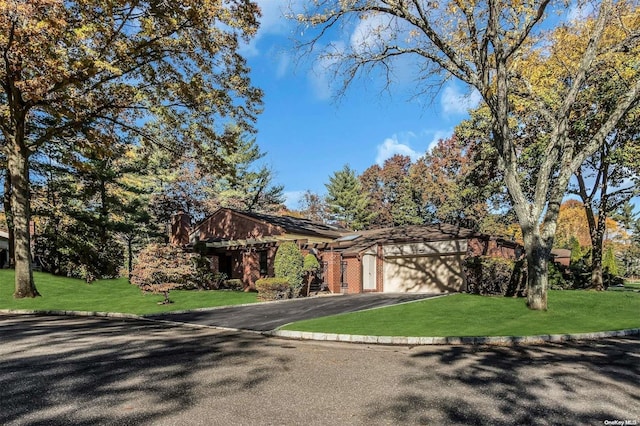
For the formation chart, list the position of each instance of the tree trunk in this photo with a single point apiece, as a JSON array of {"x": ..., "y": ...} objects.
[
  {"x": 537, "y": 254},
  {"x": 130, "y": 255},
  {"x": 18, "y": 165},
  {"x": 6, "y": 199}
]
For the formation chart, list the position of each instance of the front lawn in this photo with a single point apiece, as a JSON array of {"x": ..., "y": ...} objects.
[
  {"x": 61, "y": 293},
  {"x": 469, "y": 315}
]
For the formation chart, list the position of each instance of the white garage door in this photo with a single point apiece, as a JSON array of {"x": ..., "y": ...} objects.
[{"x": 438, "y": 273}]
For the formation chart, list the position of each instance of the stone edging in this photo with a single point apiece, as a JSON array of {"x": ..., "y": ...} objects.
[
  {"x": 354, "y": 338},
  {"x": 477, "y": 340}
]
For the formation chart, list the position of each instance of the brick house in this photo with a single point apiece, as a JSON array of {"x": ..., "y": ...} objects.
[{"x": 416, "y": 258}]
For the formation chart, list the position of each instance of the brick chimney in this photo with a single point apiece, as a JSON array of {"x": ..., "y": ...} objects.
[{"x": 180, "y": 227}]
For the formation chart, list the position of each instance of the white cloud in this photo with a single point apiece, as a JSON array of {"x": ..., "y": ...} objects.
[
  {"x": 579, "y": 12},
  {"x": 322, "y": 74},
  {"x": 292, "y": 199},
  {"x": 272, "y": 21},
  {"x": 371, "y": 33},
  {"x": 437, "y": 136},
  {"x": 453, "y": 101},
  {"x": 284, "y": 60},
  {"x": 392, "y": 146}
]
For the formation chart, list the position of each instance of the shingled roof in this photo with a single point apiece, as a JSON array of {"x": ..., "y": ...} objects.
[
  {"x": 298, "y": 225},
  {"x": 357, "y": 242}
]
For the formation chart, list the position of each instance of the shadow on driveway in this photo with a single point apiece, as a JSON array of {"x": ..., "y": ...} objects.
[{"x": 269, "y": 316}]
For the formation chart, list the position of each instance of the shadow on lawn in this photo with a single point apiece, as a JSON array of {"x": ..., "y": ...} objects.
[
  {"x": 105, "y": 371},
  {"x": 572, "y": 383}
]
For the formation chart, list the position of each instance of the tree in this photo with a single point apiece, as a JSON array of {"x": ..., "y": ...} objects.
[
  {"x": 392, "y": 193},
  {"x": 572, "y": 225},
  {"x": 245, "y": 186},
  {"x": 491, "y": 46},
  {"x": 348, "y": 204},
  {"x": 313, "y": 207},
  {"x": 288, "y": 263},
  {"x": 147, "y": 68},
  {"x": 162, "y": 268}
]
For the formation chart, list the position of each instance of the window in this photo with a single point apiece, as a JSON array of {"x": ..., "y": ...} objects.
[{"x": 264, "y": 267}]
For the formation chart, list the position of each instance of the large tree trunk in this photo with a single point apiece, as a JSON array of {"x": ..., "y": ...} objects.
[
  {"x": 6, "y": 199},
  {"x": 537, "y": 254},
  {"x": 18, "y": 164}
]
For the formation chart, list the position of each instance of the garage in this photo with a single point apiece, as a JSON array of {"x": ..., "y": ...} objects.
[{"x": 434, "y": 267}]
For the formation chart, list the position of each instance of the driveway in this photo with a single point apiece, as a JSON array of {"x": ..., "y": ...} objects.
[
  {"x": 269, "y": 316},
  {"x": 107, "y": 371}
]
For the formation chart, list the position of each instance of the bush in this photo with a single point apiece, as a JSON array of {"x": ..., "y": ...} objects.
[
  {"x": 234, "y": 284},
  {"x": 310, "y": 268},
  {"x": 273, "y": 288},
  {"x": 487, "y": 275},
  {"x": 557, "y": 280},
  {"x": 288, "y": 264}
]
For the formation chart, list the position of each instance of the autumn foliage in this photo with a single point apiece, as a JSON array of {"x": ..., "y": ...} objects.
[{"x": 162, "y": 268}]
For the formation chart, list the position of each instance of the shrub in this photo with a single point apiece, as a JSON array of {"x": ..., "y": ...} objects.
[
  {"x": 557, "y": 280},
  {"x": 310, "y": 268},
  {"x": 288, "y": 264},
  {"x": 234, "y": 284},
  {"x": 273, "y": 288},
  {"x": 488, "y": 275},
  {"x": 161, "y": 268}
]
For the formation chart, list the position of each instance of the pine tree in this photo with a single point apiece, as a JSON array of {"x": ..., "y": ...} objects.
[{"x": 348, "y": 204}]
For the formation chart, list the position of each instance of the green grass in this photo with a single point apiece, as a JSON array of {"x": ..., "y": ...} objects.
[
  {"x": 61, "y": 293},
  {"x": 633, "y": 284},
  {"x": 469, "y": 315}
]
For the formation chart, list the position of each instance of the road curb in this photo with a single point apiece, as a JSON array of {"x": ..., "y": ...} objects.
[
  {"x": 471, "y": 340},
  {"x": 362, "y": 339}
]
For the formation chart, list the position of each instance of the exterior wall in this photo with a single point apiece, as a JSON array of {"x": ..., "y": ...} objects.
[
  {"x": 229, "y": 225},
  {"x": 493, "y": 247},
  {"x": 250, "y": 268},
  {"x": 352, "y": 276},
  {"x": 332, "y": 272},
  {"x": 180, "y": 226}
]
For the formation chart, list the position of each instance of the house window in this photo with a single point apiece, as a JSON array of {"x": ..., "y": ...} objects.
[
  {"x": 325, "y": 268},
  {"x": 264, "y": 268}
]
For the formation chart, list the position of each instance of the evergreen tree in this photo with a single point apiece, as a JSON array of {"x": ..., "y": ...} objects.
[{"x": 348, "y": 204}]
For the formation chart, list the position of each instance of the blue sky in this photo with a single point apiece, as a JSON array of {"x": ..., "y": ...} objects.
[{"x": 308, "y": 134}]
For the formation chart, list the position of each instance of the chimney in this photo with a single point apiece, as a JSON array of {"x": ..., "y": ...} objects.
[{"x": 180, "y": 227}]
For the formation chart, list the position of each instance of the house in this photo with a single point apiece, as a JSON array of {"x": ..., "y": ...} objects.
[
  {"x": 416, "y": 258},
  {"x": 243, "y": 244},
  {"x": 562, "y": 257},
  {"x": 4, "y": 249}
]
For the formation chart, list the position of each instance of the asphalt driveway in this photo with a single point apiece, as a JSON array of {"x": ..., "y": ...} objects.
[
  {"x": 110, "y": 371},
  {"x": 269, "y": 316}
]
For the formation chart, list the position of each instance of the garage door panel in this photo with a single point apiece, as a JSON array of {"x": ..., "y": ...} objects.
[{"x": 416, "y": 274}]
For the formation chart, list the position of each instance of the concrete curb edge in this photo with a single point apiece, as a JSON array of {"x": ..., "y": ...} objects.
[{"x": 362, "y": 339}]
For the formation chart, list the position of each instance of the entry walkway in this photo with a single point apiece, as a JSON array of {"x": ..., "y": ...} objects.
[{"x": 264, "y": 317}]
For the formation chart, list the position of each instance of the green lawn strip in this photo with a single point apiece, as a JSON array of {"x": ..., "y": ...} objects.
[
  {"x": 469, "y": 315},
  {"x": 117, "y": 295},
  {"x": 632, "y": 284}
]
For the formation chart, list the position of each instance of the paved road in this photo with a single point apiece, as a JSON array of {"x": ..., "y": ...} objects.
[
  {"x": 91, "y": 371},
  {"x": 269, "y": 316}
]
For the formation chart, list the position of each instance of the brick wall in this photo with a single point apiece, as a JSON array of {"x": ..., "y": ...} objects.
[
  {"x": 229, "y": 225},
  {"x": 352, "y": 276}
]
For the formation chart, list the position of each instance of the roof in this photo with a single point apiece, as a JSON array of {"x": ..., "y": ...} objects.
[
  {"x": 290, "y": 224},
  {"x": 561, "y": 253},
  {"x": 402, "y": 234}
]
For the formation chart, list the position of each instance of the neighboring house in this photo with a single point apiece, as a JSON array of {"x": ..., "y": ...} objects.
[
  {"x": 417, "y": 258},
  {"x": 561, "y": 257},
  {"x": 4, "y": 249}
]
